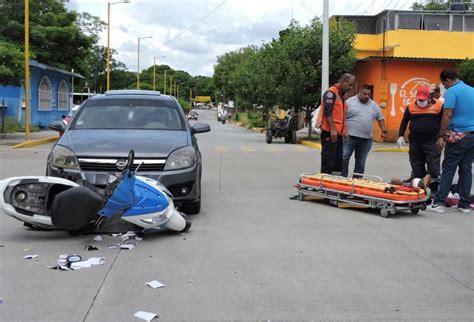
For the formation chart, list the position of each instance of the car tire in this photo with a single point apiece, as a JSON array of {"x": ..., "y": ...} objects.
[
  {"x": 269, "y": 136},
  {"x": 293, "y": 137},
  {"x": 191, "y": 208}
]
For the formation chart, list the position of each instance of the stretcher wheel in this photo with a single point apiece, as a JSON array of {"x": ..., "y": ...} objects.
[
  {"x": 300, "y": 196},
  {"x": 415, "y": 211},
  {"x": 384, "y": 212},
  {"x": 423, "y": 207}
]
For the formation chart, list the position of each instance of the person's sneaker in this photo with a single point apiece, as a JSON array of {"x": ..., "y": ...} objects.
[
  {"x": 464, "y": 210},
  {"x": 436, "y": 207}
]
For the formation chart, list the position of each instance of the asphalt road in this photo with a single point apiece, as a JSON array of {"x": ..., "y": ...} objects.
[{"x": 252, "y": 254}]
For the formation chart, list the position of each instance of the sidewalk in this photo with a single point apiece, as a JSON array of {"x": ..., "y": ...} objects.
[
  {"x": 36, "y": 138},
  {"x": 376, "y": 146}
]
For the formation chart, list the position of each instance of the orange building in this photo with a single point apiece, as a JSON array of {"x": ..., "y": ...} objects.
[{"x": 398, "y": 51}]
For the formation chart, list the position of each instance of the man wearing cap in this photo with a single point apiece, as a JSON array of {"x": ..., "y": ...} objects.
[{"x": 424, "y": 116}]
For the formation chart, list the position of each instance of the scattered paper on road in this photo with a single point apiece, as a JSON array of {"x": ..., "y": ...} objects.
[
  {"x": 114, "y": 246},
  {"x": 127, "y": 246},
  {"x": 98, "y": 238},
  {"x": 128, "y": 235},
  {"x": 81, "y": 264},
  {"x": 155, "y": 284},
  {"x": 30, "y": 256},
  {"x": 147, "y": 316}
]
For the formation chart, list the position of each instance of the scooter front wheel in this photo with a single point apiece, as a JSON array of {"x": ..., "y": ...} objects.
[{"x": 176, "y": 222}]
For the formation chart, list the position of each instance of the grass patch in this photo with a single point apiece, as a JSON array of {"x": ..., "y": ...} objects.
[{"x": 12, "y": 126}]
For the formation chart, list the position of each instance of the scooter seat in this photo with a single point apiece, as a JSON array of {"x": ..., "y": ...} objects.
[{"x": 75, "y": 208}]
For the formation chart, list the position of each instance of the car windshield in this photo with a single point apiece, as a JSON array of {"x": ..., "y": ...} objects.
[{"x": 128, "y": 114}]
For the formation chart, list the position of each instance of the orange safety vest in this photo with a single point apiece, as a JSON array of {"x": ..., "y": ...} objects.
[
  {"x": 435, "y": 108},
  {"x": 338, "y": 113}
]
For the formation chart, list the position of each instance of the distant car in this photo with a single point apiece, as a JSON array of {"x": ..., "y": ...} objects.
[
  {"x": 193, "y": 115},
  {"x": 107, "y": 127}
]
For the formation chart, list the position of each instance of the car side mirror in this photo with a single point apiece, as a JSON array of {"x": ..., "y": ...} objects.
[
  {"x": 58, "y": 126},
  {"x": 200, "y": 128}
]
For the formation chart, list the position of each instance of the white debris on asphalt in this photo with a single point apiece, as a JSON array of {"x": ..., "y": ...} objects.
[
  {"x": 155, "y": 284},
  {"x": 127, "y": 246},
  {"x": 147, "y": 316},
  {"x": 98, "y": 238},
  {"x": 30, "y": 256}
]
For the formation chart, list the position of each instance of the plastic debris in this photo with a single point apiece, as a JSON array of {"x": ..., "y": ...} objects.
[
  {"x": 30, "y": 256},
  {"x": 74, "y": 262},
  {"x": 115, "y": 235},
  {"x": 155, "y": 284},
  {"x": 91, "y": 247},
  {"x": 127, "y": 246},
  {"x": 114, "y": 246},
  {"x": 98, "y": 238},
  {"x": 147, "y": 316}
]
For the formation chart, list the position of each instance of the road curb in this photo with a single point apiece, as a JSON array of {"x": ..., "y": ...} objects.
[
  {"x": 310, "y": 144},
  {"x": 31, "y": 143},
  {"x": 403, "y": 150},
  {"x": 259, "y": 129}
]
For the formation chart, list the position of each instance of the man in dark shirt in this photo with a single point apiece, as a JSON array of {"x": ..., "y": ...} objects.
[{"x": 424, "y": 116}]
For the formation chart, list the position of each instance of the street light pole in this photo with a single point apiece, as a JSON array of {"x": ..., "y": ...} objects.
[
  {"x": 164, "y": 84},
  {"x": 27, "y": 70},
  {"x": 171, "y": 84},
  {"x": 154, "y": 64},
  {"x": 108, "y": 39},
  {"x": 190, "y": 98},
  {"x": 325, "y": 62},
  {"x": 138, "y": 60}
]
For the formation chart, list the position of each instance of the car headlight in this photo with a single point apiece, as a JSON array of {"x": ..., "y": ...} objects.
[
  {"x": 181, "y": 158},
  {"x": 64, "y": 158}
]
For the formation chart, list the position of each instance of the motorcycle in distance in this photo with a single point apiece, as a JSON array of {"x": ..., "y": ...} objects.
[{"x": 128, "y": 203}]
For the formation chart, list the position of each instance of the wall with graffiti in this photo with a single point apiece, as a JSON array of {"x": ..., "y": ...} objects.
[{"x": 395, "y": 85}]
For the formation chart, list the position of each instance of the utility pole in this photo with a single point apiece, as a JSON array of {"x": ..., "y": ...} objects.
[
  {"x": 325, "y": 62},
  {"x": 27, "y": 70}
]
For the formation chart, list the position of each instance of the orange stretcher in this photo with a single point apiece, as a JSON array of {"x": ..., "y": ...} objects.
[{"x": 369, "y": 191}]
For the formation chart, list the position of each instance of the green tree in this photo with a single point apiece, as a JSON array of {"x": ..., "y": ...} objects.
[
  {"x": 466, "y": 71},
  {"x": 286, "y": 71},
  {"x": 436, "y": 5},
  {"x": 55, "y": 39}
]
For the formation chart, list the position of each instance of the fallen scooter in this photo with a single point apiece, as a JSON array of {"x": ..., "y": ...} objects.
[{"x": 129, "y": 202}]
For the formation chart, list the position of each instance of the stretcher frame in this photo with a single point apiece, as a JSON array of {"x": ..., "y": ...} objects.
[{"x": 386, "y": 206}]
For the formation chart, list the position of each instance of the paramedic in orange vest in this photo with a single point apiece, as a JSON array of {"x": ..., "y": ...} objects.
[
  {"x": 333, "y": 124},
  {"x": 424, "y": 116}
]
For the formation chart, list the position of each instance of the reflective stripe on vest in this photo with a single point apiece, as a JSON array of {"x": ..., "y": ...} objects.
[
  {"x": 338, "y": 112},
  {"x": 430, "y": 109}
]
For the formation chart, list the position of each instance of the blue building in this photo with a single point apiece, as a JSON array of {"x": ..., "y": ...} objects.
[{"x": 50, "y": 95}]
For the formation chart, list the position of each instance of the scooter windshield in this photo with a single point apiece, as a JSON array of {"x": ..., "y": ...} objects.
[{"x": 123, "y": 196}]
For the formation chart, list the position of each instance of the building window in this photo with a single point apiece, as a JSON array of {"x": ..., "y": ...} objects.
[
  {"x": 44, "y": 94},
  {"x": 409, "y": 21},
  {"x": 63, "y": 96}
]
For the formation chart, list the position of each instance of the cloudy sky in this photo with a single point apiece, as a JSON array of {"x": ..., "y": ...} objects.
[{"x": 191, "y": 34}]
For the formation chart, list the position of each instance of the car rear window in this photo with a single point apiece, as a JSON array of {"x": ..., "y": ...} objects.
[{"x": 114, "y": 113}]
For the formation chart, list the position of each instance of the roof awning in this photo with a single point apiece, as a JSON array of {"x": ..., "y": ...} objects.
[{"x": 47, "y": 67}]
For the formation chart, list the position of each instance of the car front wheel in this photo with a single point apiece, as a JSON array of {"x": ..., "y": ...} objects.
[{"x": 191, "y": 208}]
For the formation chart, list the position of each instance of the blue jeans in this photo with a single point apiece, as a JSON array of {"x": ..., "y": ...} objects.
[
  {"x": 361, "y": 146},
  {"x": 459, "y": 154}
]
